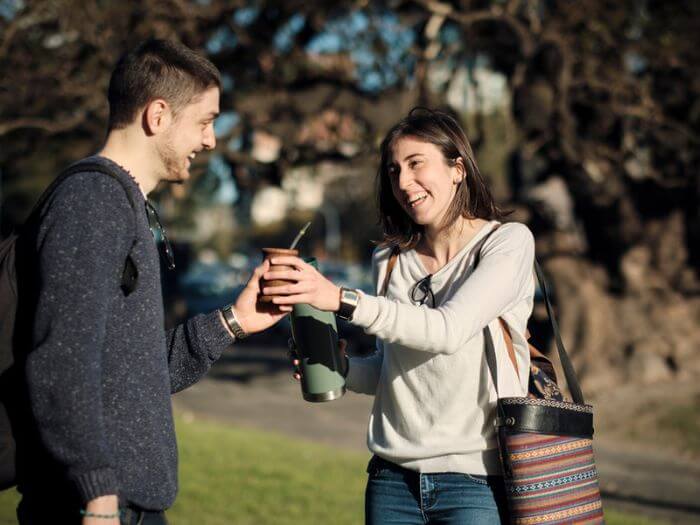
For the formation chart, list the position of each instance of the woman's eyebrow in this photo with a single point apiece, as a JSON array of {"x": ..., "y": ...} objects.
[{"x": 412, "y": 155}]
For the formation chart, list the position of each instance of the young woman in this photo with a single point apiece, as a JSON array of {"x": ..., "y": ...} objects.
[{"x": 432, "y": 425}]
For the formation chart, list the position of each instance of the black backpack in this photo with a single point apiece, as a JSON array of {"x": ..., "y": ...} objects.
[{"x": 8, "y": 312}]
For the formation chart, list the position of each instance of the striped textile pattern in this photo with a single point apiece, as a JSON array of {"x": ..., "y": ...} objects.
[{"x": 550, "y": 479}]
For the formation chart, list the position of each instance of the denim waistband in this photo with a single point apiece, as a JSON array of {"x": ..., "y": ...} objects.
[{"x": 377, "y": 463}]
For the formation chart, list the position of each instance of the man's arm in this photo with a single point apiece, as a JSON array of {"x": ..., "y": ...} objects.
[
  {"x": 196, "y": 344},
  {"x": 83, "y": 242}
]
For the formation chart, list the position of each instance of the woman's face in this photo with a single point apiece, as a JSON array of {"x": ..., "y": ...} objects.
[{"x": 422, "y": 181}]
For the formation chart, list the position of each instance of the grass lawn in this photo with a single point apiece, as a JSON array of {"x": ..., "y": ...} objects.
[{"x": 238, "y": 476}]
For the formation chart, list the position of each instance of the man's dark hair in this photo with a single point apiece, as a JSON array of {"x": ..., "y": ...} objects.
[
  {"x": 157, "y": 69},
  {"x": 473, "y": 200}
]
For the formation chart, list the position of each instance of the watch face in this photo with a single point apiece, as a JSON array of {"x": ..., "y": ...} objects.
[{"x": 350, "y": 296}]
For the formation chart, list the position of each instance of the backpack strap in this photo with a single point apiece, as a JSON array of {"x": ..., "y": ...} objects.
[
  {"x": 130, "y": 273},
  {"x": 80, "y": 167}
]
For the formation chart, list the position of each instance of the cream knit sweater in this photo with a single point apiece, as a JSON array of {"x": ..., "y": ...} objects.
[{"x": 434, "y": 399}]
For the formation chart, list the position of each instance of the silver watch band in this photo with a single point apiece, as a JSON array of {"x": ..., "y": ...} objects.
[
  {"x": 348, "y": 302},
  {"x": 232, "y": 322}
]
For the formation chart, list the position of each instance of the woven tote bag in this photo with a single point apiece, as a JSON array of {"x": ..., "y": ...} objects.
[{"x": 546, "y": 446}]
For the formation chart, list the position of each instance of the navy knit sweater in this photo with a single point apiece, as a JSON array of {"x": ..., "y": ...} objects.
[{"x": 101, "y": 368}]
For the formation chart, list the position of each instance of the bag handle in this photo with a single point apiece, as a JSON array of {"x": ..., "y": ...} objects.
[{"x": 569, "y": 372}]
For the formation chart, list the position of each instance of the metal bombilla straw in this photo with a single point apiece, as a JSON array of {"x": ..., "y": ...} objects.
[{"x": 300, "y": 235}]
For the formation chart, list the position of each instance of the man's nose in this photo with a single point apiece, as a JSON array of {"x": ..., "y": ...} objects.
[{"x": 209, "y": 138}]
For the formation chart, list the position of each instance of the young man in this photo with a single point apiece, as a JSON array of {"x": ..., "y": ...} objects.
[{"x": 100, "y": 445}]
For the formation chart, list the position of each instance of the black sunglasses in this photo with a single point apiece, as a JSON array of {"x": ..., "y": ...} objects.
[
  {"x": 152, "y": 213},
  {"x": 421, "y": 292}
]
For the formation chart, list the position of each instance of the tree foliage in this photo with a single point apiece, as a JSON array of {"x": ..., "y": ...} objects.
[{"x": 602, "y": 96}]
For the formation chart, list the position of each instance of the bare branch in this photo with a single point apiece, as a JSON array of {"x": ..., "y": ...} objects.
[{"x": 46, "y": 125}]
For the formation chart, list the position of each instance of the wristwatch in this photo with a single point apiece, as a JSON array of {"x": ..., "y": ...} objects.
[
  {"x": 348, "y": 302},
  {"x": 232, "y": 322}
]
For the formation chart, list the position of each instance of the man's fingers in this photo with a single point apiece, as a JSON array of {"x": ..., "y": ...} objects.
[
  {"x": 260, "y": 270},
  {"x": 342, "y": 344}
]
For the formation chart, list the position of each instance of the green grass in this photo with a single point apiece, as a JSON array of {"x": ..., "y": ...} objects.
[
  {"x": 235, "y": 476},
  {"x": 682, "y": 423}
]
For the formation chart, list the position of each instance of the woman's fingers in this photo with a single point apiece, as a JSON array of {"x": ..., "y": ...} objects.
[
  {"x": 283, "y": 275},
  {"x": 289, "y": 289},
  {"x": 286, "y": 260},
  {"x": 292, "y": 299}
]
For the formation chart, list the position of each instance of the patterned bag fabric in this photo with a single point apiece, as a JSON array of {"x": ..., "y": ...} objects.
[{"x": 545, "y": 443}]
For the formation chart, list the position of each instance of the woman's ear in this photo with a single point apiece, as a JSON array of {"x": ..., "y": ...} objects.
[{"x": 458, "y": 170}]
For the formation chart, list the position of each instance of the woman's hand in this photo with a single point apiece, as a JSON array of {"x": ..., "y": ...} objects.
[{"x": 309, "y": 286}]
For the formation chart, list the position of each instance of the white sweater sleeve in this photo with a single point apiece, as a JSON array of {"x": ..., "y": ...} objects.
[{"x": 503, "y": 278}]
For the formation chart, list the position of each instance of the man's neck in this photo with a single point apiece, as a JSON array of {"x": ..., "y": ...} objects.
[{"x": 132, "y": 154}]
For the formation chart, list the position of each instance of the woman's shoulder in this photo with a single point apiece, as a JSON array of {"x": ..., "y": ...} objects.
[
  {"x": 511, "y": 235},
  {"x": 381, "y": 255}
]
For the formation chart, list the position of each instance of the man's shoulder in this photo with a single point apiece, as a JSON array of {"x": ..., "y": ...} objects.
[{"x": 92, "y": 183}]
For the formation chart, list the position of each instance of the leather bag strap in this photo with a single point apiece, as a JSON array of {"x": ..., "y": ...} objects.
[
  {"x": 569, "y": 372},
  {"x": 389, "y": 268}
]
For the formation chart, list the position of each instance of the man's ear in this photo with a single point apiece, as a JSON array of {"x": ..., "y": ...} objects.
[{"x": 157, "y": 116}]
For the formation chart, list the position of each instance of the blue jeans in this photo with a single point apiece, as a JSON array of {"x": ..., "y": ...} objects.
[{"x": 395, "y": 495}]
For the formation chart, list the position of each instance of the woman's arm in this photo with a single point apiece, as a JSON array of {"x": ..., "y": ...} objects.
[{"x": 502, "y": 279}]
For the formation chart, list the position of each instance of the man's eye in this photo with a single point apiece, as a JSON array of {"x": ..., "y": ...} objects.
[{"x": 414, "y": 164}]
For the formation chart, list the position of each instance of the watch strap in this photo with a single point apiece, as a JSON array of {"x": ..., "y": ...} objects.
[{"x": 347, "y": 308}]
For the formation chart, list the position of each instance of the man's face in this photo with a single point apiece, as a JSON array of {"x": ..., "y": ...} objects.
[{"x": 190, "y": 131}]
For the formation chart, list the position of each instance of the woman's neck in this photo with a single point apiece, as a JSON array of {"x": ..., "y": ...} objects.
[{"x": 437, "y": 248}]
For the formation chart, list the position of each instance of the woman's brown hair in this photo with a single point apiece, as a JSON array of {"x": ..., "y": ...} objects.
[{"x": 472, "y": 200}]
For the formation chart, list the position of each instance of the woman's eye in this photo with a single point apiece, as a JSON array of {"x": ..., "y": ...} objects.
[{"x": 414, "y": 164}]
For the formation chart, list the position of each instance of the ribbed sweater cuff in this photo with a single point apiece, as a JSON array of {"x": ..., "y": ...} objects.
[
  {"x": 213, "y": 334},
  {"x": 96, "y": 483},
  {"x": 366, "y": 311}
]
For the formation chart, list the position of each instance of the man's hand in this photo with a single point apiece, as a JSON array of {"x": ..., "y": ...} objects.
[
  {"x": 104, "y": 505},
  {"x": 252, "y": 315}
]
